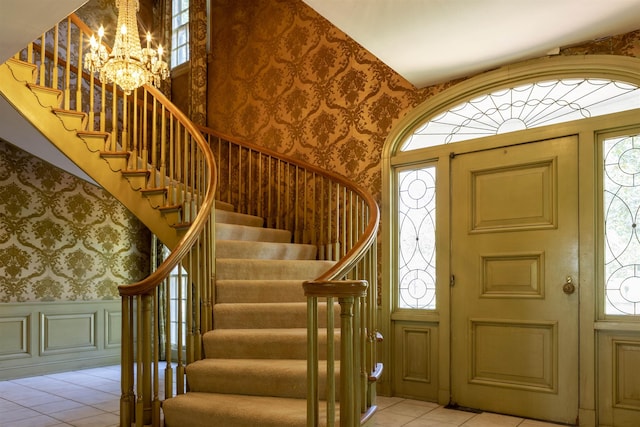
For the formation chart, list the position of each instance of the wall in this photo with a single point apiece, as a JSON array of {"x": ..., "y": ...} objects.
[
  {"x": 282, "y": 76},
  {"x": 65, "y": 246},
  {"x": 61, "y": 238}
]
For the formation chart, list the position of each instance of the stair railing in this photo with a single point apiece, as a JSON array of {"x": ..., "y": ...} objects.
[
  {"x": 341, "y": 219},
  {"x": 168, "y": 163}
]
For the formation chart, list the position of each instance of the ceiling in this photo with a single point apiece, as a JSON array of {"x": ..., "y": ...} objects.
[
  {"x": 434, "y": 41},
  {"x": 426, "y": 41}
]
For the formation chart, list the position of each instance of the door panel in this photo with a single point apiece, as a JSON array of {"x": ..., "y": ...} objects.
[{"x": 514, "y": 245}]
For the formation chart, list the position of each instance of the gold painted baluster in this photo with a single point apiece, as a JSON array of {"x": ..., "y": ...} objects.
[
  {"x": 103, "y": 108},
  {"x": 135, "y": 118},
  {"x": 56, "y": 53},
  {"x": 67, "y": 73},
  {"x": 280, "y": 221},
  {"x": 190, "y": 308},
  {"x": 331, "y": 364},
  {"x": 41, "y": 68},
  {"x": 347, "y": 392},
  {"x": 127, "y": 396},
  {"x": 145, "y": 356},
  {"x": 153, "y": 146},
  {"x": 114, "y": 117},
  {"x": 159, "y": 181},
  {"x": 168, "y": 357},
  {"x": 180, "y": 385},
  {"x": 144, "y": 149},
  {"x": 124, "y": 136},
  {"x": 79, "y": 75},
  {"x": 173, "y": 125},
  {"x": 312, "y": 362},
  {"x": 155, "y": 405}
]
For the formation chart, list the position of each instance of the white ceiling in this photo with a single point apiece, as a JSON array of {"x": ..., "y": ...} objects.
[{"x": 433, "y": 41}]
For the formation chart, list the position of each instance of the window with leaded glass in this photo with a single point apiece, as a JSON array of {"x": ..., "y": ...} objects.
[
  {"x": 417, "y": 227},
  {"x": 621, "y": 212}
]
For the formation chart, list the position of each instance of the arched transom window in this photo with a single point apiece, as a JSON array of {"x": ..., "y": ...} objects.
[{"x": 525, "y": 107}]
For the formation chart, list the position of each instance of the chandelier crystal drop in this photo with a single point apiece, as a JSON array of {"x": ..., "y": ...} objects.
[{"x": 128, "y": 65}]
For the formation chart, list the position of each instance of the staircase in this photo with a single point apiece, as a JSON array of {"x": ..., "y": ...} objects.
[
  {"x": 271, "y": 270},
  {"x": 254, "y": 370}
]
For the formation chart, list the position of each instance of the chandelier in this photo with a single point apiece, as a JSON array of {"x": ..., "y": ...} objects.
[{"x": 128, "y": 65}]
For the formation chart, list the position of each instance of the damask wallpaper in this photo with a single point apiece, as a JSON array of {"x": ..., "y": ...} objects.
[
  {"x": 284, "y": 77},
  {"x": 61, "y": 238}
]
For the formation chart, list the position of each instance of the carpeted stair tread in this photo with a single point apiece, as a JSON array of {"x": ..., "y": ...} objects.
[
  {"x": 280, "y": 343},
  {"x": 230, "y": 217},
  {"x": 263, "y": 250},
  {"x": 244, "y": 291},
  {"x": 246, "y": 232},
  {"x": 196, "y": 409},
  {"x": 268, "y": 315},
  {"x": 270, "y": 269},
  {"x": 258, "y": 377}
]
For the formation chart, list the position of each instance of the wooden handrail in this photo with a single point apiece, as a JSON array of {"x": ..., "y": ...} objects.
[{"x": 186, "y": 242}]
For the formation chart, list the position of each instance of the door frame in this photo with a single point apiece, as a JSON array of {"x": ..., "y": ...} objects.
[{"x": 596, "y": 66}]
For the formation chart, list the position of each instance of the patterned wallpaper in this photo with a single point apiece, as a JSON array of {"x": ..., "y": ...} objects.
[
  {"x": 61, "y": 238},
  {"x": 283, "y": 77}
]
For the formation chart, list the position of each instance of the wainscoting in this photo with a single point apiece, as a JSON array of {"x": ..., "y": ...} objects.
[{"x": 42, "y": 338}]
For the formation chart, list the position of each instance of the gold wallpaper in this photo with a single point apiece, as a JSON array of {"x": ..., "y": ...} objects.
[
  {"x": 61, "y": 238},
  {"x": 284, "y": 77}
]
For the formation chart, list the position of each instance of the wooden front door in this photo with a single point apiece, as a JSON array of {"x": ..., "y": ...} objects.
[{"x": 514, "y": 265}]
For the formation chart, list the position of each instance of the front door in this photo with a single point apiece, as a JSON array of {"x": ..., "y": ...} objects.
[{"x": 514, "y": 265}]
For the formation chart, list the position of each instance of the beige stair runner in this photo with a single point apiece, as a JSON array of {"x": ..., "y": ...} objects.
[{"x": 254, "y": 370}]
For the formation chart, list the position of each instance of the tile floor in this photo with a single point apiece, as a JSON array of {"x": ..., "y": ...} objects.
[{"x": 90, "y": 398}]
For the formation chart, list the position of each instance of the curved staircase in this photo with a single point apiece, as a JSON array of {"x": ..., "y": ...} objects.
[
  {"x": 273, "y": 317},
  {"x": 255, "y": 367}
]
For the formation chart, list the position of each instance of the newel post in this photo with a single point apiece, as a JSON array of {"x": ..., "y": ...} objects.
[{"x": 349, "y": 294}]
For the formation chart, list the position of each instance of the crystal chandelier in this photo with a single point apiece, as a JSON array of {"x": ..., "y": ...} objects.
[{"x": 128, "y": 65}]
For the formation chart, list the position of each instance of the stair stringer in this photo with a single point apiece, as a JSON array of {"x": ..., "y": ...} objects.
[{"x": 17, "y": 90}]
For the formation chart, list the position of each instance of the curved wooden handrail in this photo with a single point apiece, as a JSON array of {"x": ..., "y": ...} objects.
[
  {"x": 188, "y": 240},
  {"x": 368, "y": 237}
]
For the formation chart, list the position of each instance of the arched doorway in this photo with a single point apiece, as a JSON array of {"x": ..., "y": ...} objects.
[{"x": 496, "y": 250}]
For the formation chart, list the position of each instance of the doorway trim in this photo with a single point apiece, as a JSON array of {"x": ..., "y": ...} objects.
[{"x": 622, "y": 68}]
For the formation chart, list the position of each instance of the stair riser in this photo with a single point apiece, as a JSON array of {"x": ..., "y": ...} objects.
[
  {"x": 264, "y": 250},
  {"x": 268, "y": 316},
  {"x": 247, "y": 233},
  {"x": 254, "y": 291},
  {"x": 270, "y": 269},
  {"x": 281, "y": 382},
  {"x": 263, "y": 347},
  {"x": 228, "y": 217},
  {"x": 227, "y": 410}
]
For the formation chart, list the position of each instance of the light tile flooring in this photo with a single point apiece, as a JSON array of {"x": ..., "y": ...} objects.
[{"x": 90, "y": 398}]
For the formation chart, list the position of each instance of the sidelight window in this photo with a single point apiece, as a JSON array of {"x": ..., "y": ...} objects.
[
  {"x": 621, "y": 213},
  {"x": 417, "y": 227}
]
